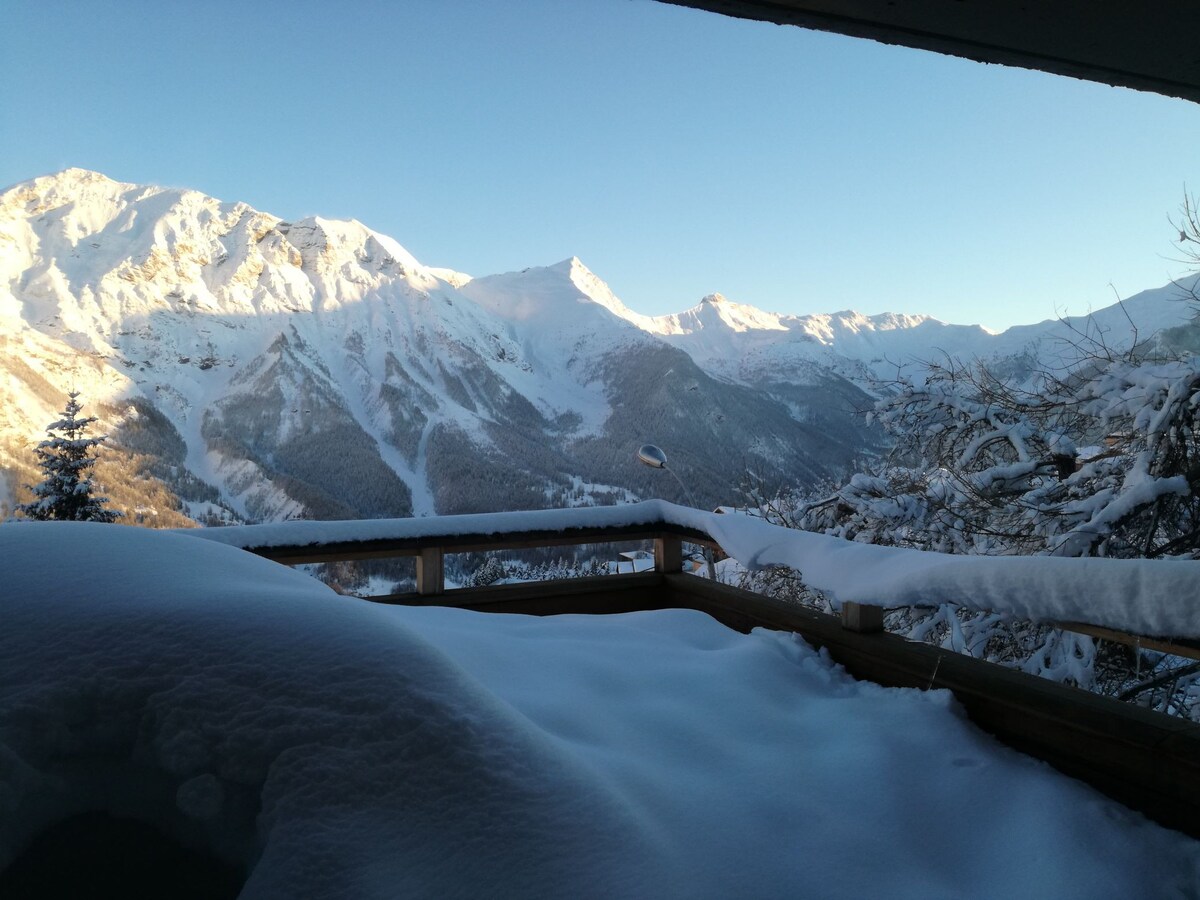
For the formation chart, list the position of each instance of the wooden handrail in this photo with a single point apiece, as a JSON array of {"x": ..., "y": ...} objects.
[
  {"x": 1172, "y": 646},
  {"x": 430, "y": 550},
  {"x": 338, "y": 551},
  {"x": 1146, "y": 760}
]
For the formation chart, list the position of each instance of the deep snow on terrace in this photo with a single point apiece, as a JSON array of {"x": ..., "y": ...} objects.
[{"x": 337, "y": 748}]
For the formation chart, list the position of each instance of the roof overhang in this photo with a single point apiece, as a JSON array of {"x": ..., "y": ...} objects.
[{"x": 1149, "y": 45}]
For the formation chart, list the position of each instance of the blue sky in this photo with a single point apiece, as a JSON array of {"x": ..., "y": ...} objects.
[{"x": 675, "y": 152}]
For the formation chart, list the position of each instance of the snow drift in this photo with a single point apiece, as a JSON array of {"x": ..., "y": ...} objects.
[{"x": 335, "y": 748}]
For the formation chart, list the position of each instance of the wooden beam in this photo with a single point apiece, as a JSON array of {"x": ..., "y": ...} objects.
[
  {"x": 1173, "y": 646},
  {"x": 862, "y": 617},
  {"x": 668, "y": 553},
  {"x": 297, "y": 554},
  {"x": 431, "y": 578},
  {"x": 596, "y": 595}
]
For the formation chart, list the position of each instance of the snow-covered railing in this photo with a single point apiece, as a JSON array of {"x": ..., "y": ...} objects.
[
  {"x": 1141, "y": 758},
  {"x": 1153, "y": 602},
  {"x": 428, "y": 540}
]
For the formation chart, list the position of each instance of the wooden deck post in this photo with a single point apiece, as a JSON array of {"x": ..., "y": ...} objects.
[
  {"x": 668, "y": 553},
  {"x": 430, "y": 571},
  {"x": 862, "y": 617}
]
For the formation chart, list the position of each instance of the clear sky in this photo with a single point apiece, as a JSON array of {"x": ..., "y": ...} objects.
[{"x": 676, "y": 152}]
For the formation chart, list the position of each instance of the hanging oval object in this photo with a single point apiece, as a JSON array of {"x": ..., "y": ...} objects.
[{"x": 652, "y": 456}]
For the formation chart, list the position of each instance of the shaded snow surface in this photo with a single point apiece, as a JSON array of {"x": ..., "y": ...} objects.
[{"x": 343, "y": 749}]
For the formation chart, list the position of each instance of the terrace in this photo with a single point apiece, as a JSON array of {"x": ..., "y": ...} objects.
[
  {"x": 1145, "y": 760},
  {"x": 174, "y": 708}
]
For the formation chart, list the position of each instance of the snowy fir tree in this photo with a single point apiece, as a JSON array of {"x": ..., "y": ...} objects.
[
  {"x": 66, "y": 458},
  {"x": 491, "y": 572}
]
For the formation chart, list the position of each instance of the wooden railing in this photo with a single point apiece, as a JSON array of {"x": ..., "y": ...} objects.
[
  {"x": 429, "y": 549},
  {"x": 1145, "y": 760}
]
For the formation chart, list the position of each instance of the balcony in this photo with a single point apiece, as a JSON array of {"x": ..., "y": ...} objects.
[{"x": 1147, "y": 761}]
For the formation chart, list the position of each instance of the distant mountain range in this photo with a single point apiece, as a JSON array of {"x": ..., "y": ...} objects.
[{"x": 248, "y": 368}]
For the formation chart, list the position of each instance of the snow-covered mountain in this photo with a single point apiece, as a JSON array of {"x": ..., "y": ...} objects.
[
  {"x": 262, "y": 369},
  {"x": 741, "y": 342},
  {"x": 316, "y": 368}
]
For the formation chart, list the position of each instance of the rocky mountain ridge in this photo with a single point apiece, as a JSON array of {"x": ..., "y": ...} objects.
[{"x": 257, "y": 369}]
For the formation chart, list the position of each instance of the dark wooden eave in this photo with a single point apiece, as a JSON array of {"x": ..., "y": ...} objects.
[{"x": 1149, "y": 45}]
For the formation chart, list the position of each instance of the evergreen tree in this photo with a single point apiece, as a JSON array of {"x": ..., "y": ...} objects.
[
  {"x": 490, "y": 572},
  {"x": 67, "y": 458}
]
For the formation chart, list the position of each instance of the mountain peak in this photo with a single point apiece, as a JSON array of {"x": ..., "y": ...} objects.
[
  {"x": 548, "y": 292},
  {"x": 63, "y": 184},
  {"x": 73, "y": 175},
  {"x": 571, "y": 267},
  {"x": 713, "y": 299}
]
